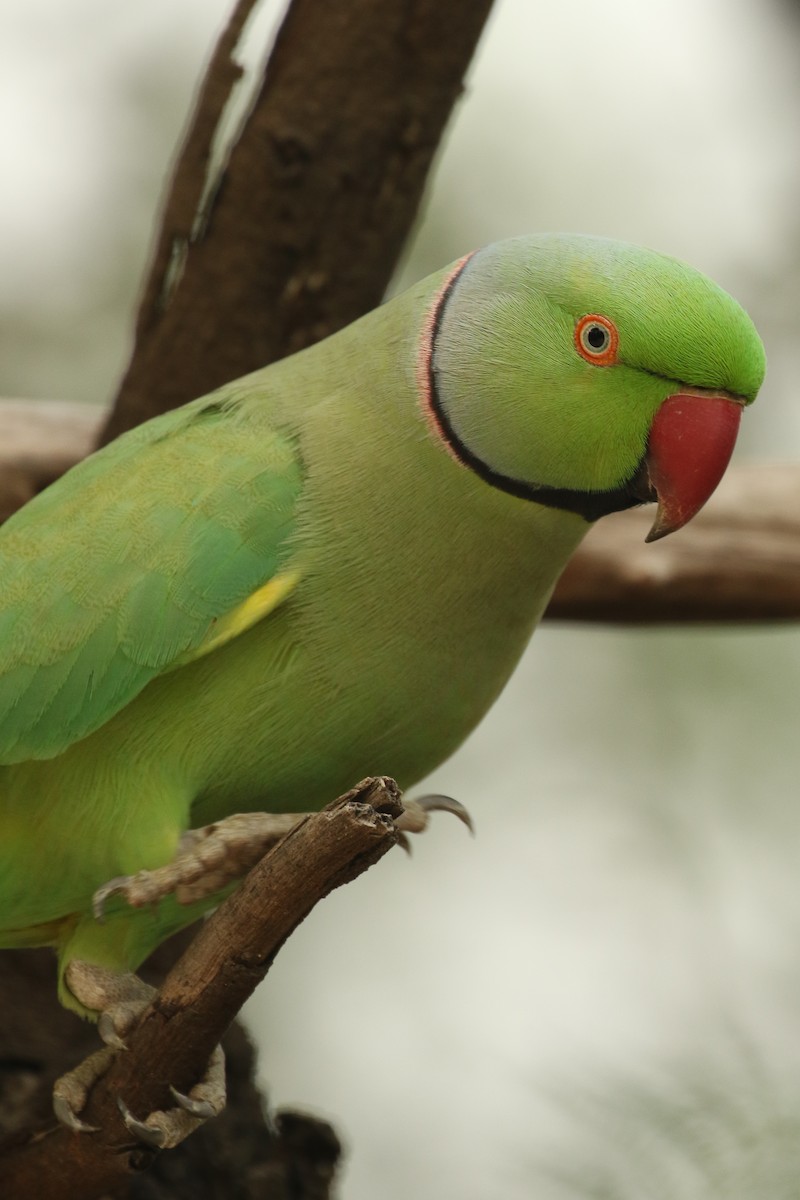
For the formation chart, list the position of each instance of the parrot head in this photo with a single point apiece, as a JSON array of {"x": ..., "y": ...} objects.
[{"x": 589, "y": 375}]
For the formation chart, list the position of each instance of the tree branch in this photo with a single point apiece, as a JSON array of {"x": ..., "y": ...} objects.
[
  {"x": 303, "y": 229},
  {"x": 191, "y": 172},
  {"x": 202, "y": 994},
  {"x": 40, "y": 440}
]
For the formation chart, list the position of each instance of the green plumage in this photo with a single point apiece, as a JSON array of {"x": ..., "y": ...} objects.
[
  {"x": 414, "y": 583},
  {"x": 113, "y": 573}
]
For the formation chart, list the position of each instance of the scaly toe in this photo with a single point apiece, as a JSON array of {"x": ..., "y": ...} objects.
[{"x": 71, "y": 1091}]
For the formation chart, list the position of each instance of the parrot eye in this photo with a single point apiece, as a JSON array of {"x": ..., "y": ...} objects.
[{"x": 596, "y": 340}]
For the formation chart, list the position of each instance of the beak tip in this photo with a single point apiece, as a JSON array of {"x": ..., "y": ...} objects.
[
  {"x": 656, "y": 534},
  {"x": 662, "y": 526}
]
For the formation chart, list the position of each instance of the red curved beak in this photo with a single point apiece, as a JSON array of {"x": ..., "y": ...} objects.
[{"x": 690, "y": 445}]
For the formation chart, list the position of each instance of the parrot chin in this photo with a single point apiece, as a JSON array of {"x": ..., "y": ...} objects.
[{"x": 690, "y": 445}]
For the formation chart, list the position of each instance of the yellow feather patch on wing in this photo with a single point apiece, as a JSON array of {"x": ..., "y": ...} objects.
[{"x": 262, "y": 602}]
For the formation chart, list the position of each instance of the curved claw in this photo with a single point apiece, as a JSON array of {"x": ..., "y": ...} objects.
[
  {"x": 108, "y": 1032},
  {"x": 414, "y": 818},
  {"x": 67, "y": 1116},
  {"x": 438, "y": 803},
  {"x": 204, "y": 1110},
  {"x": 104, "y": 893},
  {"x": 147, "y": 1134},
  {"x": 404, "y": 843}
]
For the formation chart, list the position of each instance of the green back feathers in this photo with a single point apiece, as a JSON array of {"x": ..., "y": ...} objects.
[{"x": 124, "y": 566}]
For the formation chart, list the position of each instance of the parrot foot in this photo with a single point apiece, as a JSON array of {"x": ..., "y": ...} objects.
[
  {"x": 121, "y": 998},
  {"x": 71, "y": 1091},
  {"x": 416, "y": 815},
  {"x": 164, "y": 1129},
  {"x": 214, "y": 856},
  {"x": 208, "y": 859}
]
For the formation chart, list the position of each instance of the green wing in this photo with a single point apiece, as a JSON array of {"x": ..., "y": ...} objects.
[{"x": 126, "y": 565}]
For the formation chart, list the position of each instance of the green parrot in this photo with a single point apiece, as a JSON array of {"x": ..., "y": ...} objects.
[{"x": 330, "y": 568}]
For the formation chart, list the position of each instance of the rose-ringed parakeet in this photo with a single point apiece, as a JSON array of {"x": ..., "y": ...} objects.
[{"x": 330, "y": 567}]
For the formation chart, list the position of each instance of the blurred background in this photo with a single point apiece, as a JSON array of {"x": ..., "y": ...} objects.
[{"x": 599, "y": 996}]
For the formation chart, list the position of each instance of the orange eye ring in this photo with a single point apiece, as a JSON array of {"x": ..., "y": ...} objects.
[{"x": 597, "y": 340}]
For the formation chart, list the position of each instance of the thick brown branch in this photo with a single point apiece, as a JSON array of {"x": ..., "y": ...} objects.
[
  {"x": 316, "y": 200},
  {"x": 204, "y": 991}
]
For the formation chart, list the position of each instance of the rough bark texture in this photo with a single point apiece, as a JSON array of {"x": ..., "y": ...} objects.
[
  {"x": 239, "y": 1156},
  {"x": 183, "y": 201},
  {"x": 197, "y": 1002},
  {"x": 303, "y": 232}
]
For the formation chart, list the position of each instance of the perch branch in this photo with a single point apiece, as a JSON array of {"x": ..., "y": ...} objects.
[
  {"x": 302, "y": 230},
  {"x": 40, "y": 440},
  {"x": 202, "y": 994}
]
